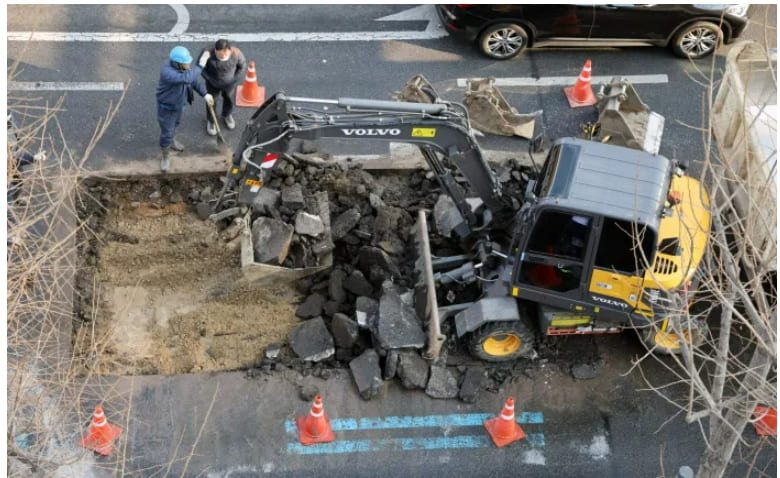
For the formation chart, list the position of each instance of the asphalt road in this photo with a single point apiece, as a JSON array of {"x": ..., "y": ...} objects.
[
  {"x": 604, "y": 427},
  {"x": 305, "y": 65}
]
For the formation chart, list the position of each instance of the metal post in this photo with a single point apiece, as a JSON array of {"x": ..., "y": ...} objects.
[{"x": 435, "y": 337}]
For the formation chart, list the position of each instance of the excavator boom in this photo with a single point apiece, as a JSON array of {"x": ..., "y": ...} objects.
[{"x": 441, "y": 131}]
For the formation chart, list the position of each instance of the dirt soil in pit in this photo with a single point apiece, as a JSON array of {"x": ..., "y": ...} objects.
[{"x": 168, "y": 296}]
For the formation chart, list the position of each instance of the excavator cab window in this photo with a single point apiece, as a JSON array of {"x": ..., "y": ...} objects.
[
  {"x": 556, "y": 251},
  {"x": 624, "y": 247},
  {"x": 547, "y": 173},
  {"x": 556, "y": 175}
]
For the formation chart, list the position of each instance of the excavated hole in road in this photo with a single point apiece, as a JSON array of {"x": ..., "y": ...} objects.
[{"x": 159, "y": 290}]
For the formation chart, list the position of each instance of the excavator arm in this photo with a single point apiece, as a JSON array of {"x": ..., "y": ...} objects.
[{"x": 441, "y": 131}]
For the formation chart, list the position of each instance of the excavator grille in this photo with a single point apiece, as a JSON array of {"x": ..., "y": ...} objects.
[{"x": 664, "y": 266}]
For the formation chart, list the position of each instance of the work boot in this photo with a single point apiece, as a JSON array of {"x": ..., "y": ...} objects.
[
  {"x": 166, "y": 160},
  {"x": 230, "y": 123},
  {"x": 211, "y": 129},
  {"x": 177, "y": 146}
]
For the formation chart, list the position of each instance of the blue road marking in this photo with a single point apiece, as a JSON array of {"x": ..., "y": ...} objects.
[
  {"x": 425, "y": 421},
  {"x": 404, "y": 444}
]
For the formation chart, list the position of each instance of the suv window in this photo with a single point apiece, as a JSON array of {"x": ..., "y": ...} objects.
[{"x": 619, "y": 246}]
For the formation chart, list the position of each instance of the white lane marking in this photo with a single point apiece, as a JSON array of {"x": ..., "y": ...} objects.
[
  {"x": 65, "y": 86},
  {"x": 423, "y": 12},
  {"x": 178, "y": 33},
  {"x": 534, "y": 457},
  {"x": 182, "y": 19},
  {"x": 598, "y": 448},
  {"x": 209, "y": 37},
  {"x": 569, "y": 80}
]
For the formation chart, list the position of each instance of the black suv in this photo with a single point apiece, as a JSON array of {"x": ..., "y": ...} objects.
[{"x": 503, "y": 31}]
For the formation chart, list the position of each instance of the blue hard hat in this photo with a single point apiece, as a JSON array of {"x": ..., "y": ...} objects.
[{"x": 179, "y": 54}]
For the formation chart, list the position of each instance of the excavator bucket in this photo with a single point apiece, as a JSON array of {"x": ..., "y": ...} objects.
[
  {"x": 625, "y": 119},
  {"x": 259, "y": 273},
  {"x": 417, "y": 90},
  {"x": 489, "y": 111}
]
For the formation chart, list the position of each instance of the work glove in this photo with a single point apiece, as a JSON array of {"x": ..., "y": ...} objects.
[
  {"x": 40, "y": 156},
  {"x": 204, "y": 58},
  {"x": 209, "y": 99}
]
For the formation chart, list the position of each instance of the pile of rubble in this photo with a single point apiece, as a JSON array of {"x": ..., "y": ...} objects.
[
  {"x": 381, "y": 340},
  {"x": 360, "y": 312},
  {"x": 290, "y": 230}
]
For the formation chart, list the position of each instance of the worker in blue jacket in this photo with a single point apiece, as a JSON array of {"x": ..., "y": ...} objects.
[{"x": 177, "y": 80}]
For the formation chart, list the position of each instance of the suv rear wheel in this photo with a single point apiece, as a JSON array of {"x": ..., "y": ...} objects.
[
  {"x": 697, "y": 40},
  {"x": 503, "y": 41}
]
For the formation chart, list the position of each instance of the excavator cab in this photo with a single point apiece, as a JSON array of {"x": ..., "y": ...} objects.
[{"x": 603, "y": 229}]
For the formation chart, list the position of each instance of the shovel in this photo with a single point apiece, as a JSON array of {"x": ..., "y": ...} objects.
[{"x": 220, "y": 138}]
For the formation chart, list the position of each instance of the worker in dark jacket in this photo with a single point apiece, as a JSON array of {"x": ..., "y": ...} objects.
[
  {"x": 177, "y": 80},
  {"x": 224, "y": 69}
]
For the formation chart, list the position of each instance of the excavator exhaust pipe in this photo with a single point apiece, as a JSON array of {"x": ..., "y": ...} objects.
[{"x": 625, "y": 119}]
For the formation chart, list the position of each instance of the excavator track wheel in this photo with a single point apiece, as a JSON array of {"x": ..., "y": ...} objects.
[
  {"x": 666, "y": 342},
  {"x": 502, "y": 341}
]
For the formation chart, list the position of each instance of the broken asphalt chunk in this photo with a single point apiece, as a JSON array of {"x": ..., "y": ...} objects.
[
  {"x": 308, "y": 224},
  {"x": 412, "y": 370},
  {"x": 344, "y": 223},
  {"x": 345, "y": 330},
  {"x": 311, "y": 341},
  {"x": 397, "y": 326},
  {"x": 366, "y": 311},
  {"x": 336, "y": 286},
  {"x": 266, "y": 200},
  {"x": 271, "y": 239},
  {"x": 391, "y": 365},
  {"x": 311, "y": 307},
  {"x": 357, "y": 284},
  {"x": 367, "y": 374},
  {"x": 292, "y": 197},
  {"x": 441, "y": 384}
]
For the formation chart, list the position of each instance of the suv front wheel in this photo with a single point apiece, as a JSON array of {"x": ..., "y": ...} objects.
[{"x": 503, "y": 41}]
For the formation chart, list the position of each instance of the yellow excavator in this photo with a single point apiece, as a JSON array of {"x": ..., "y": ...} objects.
[{"x": 596, "y": 245}]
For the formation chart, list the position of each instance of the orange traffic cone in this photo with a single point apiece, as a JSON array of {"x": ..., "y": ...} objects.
[
  {"x": 100, "y": 436},
  {"x": 250, "y": 93},
  {"x": 767, "y": 424},
  {"x": 581, "y": 93},
  {"x": 315, "y": 427},
  {"x": 504, "y": 429}
]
